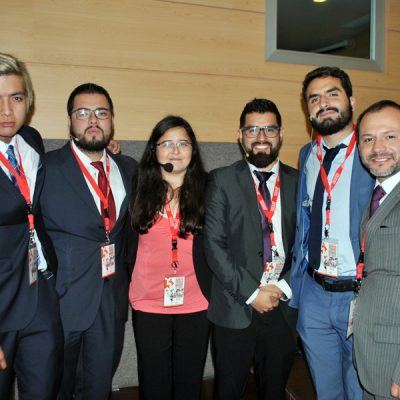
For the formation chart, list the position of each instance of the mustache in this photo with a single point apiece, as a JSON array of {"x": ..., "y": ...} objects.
[
  {"x": 380, "y": 154},
  {"x": 95, "y": 126},
  {"x": 326, "y": 109},
  {"x": 261, "y": 143}
]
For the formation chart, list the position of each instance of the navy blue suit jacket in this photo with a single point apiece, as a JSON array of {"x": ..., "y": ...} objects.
[
  {"x": 18, "y": 299},
  {"x": 361, "y": 188},
  {"x": 76, "y": 229}
]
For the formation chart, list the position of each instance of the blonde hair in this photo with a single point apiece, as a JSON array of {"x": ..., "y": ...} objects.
[{"x": 9, "y": 65}]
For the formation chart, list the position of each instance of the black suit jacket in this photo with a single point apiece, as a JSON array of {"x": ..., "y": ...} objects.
[
  {"x": 18, "y": 300},
  {"x": 76, "y": 229},
  {"x": 233, "y": 241}
]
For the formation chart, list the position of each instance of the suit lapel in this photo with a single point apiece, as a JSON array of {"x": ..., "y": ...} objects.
[
  {"x": 391, "y": 201},
  {"x": 69, "y": 168},
  {"x": 250, "y": 203}
]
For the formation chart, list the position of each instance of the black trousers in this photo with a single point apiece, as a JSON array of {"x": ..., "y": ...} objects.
[
  {"x": 268, "y": 344},
  {"x": 171, "y": 350},
  {"x": 90, "y": 356},
  {"x": 35, "y": 353}
]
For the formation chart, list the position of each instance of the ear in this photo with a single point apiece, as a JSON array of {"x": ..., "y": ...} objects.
[{"x": 353, "y": 103}]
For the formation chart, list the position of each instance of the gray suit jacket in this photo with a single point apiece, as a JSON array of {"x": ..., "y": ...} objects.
[
  {"x": 233, "y": 241},
  {"x": 377, "y": 314}
]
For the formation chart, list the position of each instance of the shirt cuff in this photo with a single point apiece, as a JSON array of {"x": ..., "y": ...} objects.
[
  {"x": 283, "y": 285},
  {"x": 253, "y": 296}
]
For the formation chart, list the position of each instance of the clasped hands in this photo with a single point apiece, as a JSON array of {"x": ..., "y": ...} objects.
[{"x": 267, "y": 298}]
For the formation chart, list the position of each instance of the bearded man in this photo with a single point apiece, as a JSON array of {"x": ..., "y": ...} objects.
[
  {"x": 85, "y": 201},
  {"x": 249, "y": 232},
  {"x": 333, "y": 190}
]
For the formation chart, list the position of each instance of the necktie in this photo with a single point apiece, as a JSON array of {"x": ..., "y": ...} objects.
[
  {"x": 102, "y": 182},
  {"x": 13, "y": 161},
  {"x": 262, "y": 187},
  {"x": 315, "y": 234},
  {"x": 377, "y": 195}
]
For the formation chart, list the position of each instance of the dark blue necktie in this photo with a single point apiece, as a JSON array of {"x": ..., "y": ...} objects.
[
  {"x": 262, "y": 187},
  {"x": 315, "y": 234},
  {"x": 13, "y": 161}
]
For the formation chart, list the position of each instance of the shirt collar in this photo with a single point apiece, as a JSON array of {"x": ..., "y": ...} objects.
[{"x": 390, "y": 183}]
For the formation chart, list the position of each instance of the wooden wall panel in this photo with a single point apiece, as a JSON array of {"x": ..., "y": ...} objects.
[{"x": 203, "y": 59}]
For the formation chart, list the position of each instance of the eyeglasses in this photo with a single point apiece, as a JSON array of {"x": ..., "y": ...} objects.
[
  {"x": 169, "y": 144},
  {"x": 270, "y": 131},
  {"x": 85, "y": 113}
]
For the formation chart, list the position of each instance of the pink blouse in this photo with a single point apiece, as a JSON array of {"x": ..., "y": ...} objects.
[{"x": 153, "y": 264}]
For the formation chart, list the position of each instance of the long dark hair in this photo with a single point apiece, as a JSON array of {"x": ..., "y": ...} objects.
[{"x": 151, "y": 189}]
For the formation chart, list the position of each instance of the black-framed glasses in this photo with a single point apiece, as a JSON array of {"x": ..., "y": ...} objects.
[
  {"x": 85, "y": 113},
  {"x": 169, "y": 144},
  {"x": 252, "y": 131}
]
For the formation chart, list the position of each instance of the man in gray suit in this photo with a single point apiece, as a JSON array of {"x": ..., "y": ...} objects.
[
  {"x": 377, "y": 310},
  {"x": 250, "y": 256}
]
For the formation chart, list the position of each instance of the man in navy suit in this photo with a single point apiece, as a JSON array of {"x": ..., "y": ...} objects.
[
  {"x": 334, "y": 188},
  {"x": 85, "y": 202},
  {"x": 31, "y": 338},
  {"x": 250, "y": 256}
]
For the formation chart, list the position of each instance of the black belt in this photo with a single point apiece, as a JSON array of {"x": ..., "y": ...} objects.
[{"x": 331, "y": 286}]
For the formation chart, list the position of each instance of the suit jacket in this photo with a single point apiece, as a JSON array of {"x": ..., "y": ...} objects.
[
  {"x": 77, "y": 230},
  {"x": 362, "y": 184},
  {"x": 233, "y": 241},
  {"x": 19, "y": 299},
  {"x": 377, "y": 315}
]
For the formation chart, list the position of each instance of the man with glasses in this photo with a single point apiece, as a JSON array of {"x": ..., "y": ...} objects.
[
  {"x": 85, "y": 203},
  {"x": 31, "y": 339},
  {"x": 249, "y": 232}
]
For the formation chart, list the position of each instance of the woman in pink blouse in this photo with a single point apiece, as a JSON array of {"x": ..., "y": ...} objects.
[{"x": 170, "y": 280}]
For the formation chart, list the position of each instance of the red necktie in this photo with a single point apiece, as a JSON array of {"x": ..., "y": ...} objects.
[{"x": 102, "y": 182}]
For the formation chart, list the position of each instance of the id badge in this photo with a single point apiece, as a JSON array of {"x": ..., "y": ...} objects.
[
  {"x": 174, "y": 290},
  {"x": 272, "y": 270},
  {"x": 33, "y": 261},
  {"x": 329, "y": 258},
  {"x": 107, "y": 260},
  {"x": 351, "y": 317}
]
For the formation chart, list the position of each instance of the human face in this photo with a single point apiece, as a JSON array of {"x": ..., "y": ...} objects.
[
  {"x": 179, "y": 157},
  {"x": 379, "y": 142},
  {"x": 92, "y": 134},
  {"x": 329, "y": 108},
  {"x": 261, "y": 151},
  {"x": 13, "y": 106}
]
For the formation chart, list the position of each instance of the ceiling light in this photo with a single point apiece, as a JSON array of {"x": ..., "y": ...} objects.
[{"x": 319, "y": 1}]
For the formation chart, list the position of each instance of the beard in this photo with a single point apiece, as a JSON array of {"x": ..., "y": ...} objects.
[
  {"x": 262, "y": 160},
  {"x": 94, "y": 144},
  {"x": 331, "y": 126},
  {"x": 390, "y": 171}
]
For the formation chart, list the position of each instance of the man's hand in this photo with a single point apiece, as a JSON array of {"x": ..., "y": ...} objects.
[
  {"x": 114, "y": 147},
  {"x": 395, "y": 390},
  {"x": 267, "y": 298},
  {"x": 3, "y": 364}
]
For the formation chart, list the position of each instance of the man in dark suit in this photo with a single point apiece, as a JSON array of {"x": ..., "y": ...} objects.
[
  {"x": 85, "y": 201},
  {"x": 31, "y": 339},
  {"x": 249, "y": 233},
  {"x": 377, "y": 310}
]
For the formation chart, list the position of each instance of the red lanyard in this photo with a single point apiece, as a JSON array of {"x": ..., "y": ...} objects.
[
  {"x": 329, "y": 187},
  {"x": 23, "y": 187},
  {"x": 174, "y": 224},
  {"x": 95, "y": 186},
  {"x": 360, "y": 264},
  {"x": 269, "y": 213}
]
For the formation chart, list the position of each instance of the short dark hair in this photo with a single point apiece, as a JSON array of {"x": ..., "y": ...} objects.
[
  {"x": 88, "y": 88},
  {"x": 323, "y": 72},
  {"x": 261, "y": 106},
  {"x": 378, "y": 106}
]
